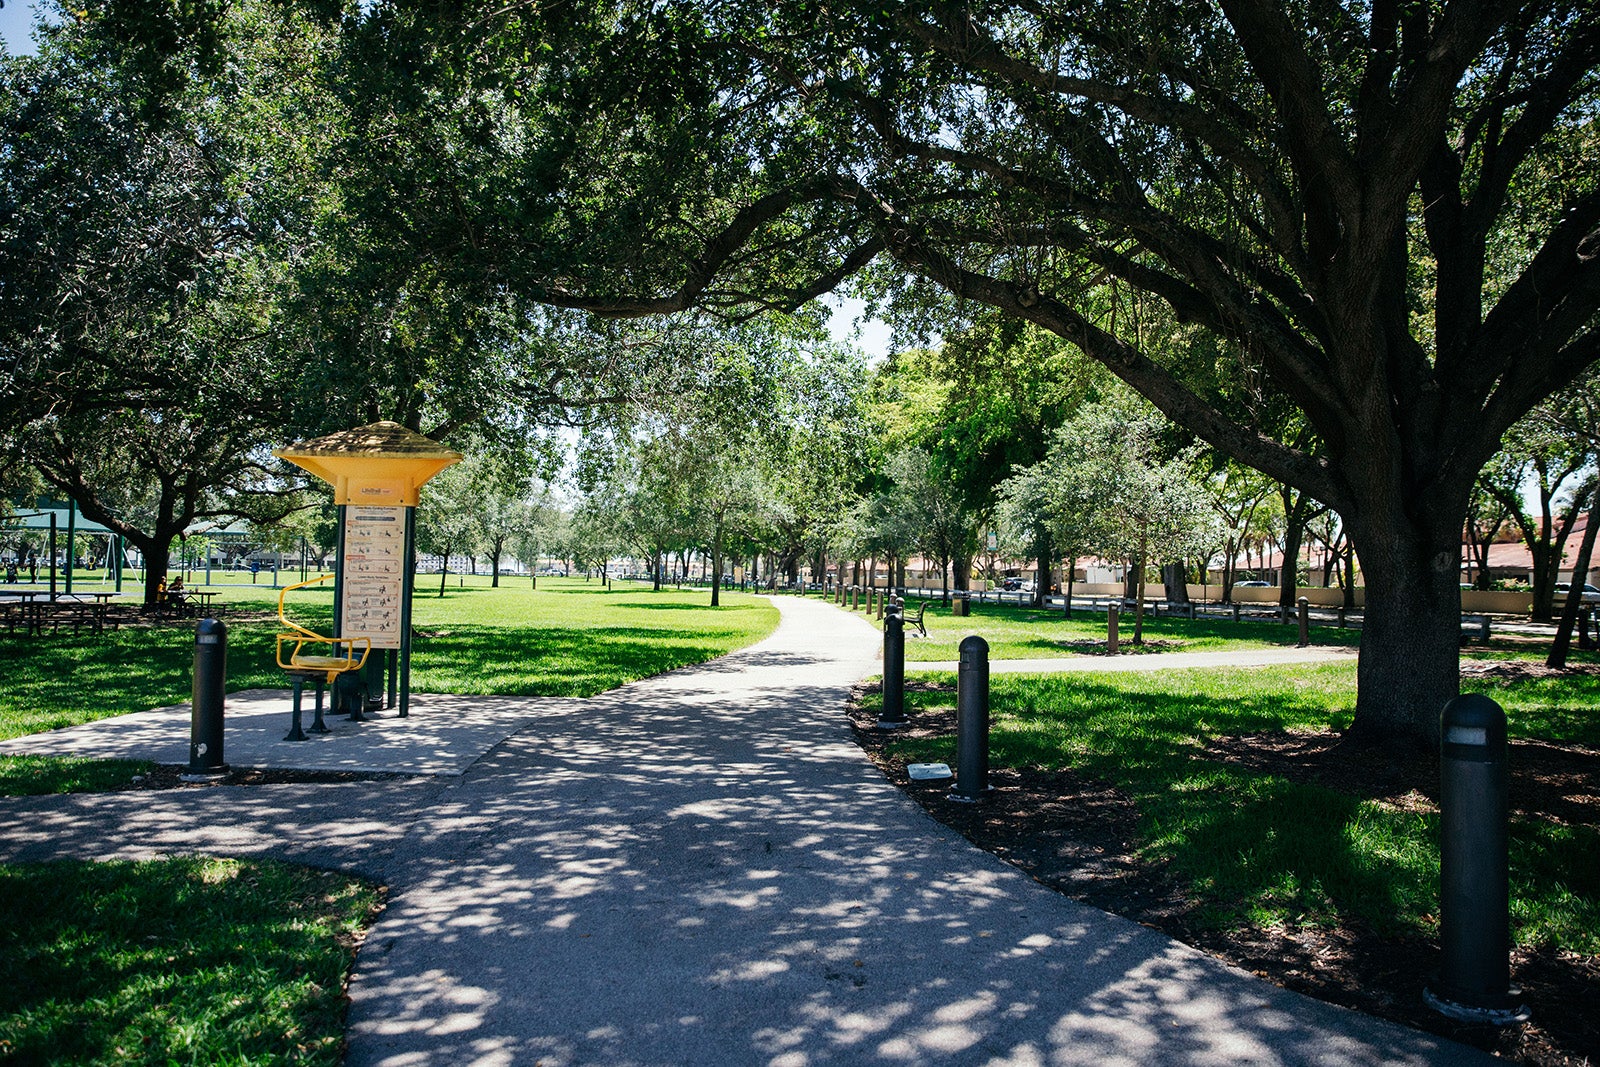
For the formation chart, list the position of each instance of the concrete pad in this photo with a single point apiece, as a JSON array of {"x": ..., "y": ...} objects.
[{"x": 443, "y": 735}]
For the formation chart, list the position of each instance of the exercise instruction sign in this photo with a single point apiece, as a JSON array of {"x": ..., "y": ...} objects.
[{"x": 374, "y": 573}]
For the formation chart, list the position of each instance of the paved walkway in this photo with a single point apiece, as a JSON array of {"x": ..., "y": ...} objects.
[{"x": 702, "y": 868}]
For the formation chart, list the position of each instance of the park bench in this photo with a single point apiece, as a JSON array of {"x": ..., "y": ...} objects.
[
  {"x": 330, "y": 670},
  {"x": 916, "y": 622}
]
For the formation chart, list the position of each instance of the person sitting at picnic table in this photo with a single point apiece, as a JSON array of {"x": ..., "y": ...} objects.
[{"x": 175, "y": 593}]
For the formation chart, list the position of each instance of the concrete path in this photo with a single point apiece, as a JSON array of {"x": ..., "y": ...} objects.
[
  {"x": 702, "y": 868},
  {"x": 1153, "y": 661}
]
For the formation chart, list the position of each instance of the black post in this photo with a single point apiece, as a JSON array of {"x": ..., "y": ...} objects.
[
  {"x": 210, "y": 685},
  {"x": 894, "y": 670},
  {"x": 1305, "y": 621},
  {"x": 406, "y": 589},
  {"x": 1112, "y": 611},
  {"x": 1474, "y": 982},
  {"x": 972, "y": 722}
]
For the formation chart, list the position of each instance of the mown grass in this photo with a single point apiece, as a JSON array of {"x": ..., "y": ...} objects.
[
  {"x": 569, "y": 638},
  {"x": 192, "y": 960},
  {"x": 40, "y": 775},
  {"x": 1257, "y": 848},
  {"x": 1030, "y": 633}
]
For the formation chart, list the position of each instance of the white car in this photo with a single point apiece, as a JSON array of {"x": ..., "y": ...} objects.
[{"x": 1591, "y": 595}]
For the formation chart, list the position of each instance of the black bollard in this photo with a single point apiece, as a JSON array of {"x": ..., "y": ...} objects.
[
  {"x": 1474, "y": 983},
  {"x": 893, "y": 715},
  {"x": 1111, "y": 627},
  {"x": 972, "y": 722},
  {"x": 210, "y": 685},
  {"x": 1304, "y": 606}
]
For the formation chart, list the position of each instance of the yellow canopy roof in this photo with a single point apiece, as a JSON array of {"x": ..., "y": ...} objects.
[{"x": 384, "y": 463}]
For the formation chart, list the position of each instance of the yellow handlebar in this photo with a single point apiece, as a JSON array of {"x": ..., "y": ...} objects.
[{"x": 302, "y": 636}]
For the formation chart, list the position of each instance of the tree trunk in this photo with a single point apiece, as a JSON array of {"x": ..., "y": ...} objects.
[
  {"x": 1294, "y": 530},
  {"x": 1175, "y": 582},
  {"x": 1410, "y": 661},
  {"x": 1580, "y": 575},
  {"x": 716, "y": 566},
  {"x": 1349, "y": 576},
  {"x": 157, "y": 556},
  {"x": 1138, "y": 599},
  {"x": 444, "y": 570},
  {"x": 1044, "y": 550}
]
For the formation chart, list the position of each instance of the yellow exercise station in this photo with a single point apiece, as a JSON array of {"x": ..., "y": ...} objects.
[{"x": 377, "y": 472}]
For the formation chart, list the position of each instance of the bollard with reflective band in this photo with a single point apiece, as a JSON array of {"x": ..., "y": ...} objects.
[
  {"x": 1111, "y": 627},
  {"x": 972, "y": 722},
  {"x": 1304, "y": 607},
  {"x": 893, "y": 715},
  {"x": 1474, "y": 982},
  {"x": 210, "y": 685}
]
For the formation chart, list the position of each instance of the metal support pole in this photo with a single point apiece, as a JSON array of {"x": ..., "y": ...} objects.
[
  {"x": 894, "y": 670},
  {"x": 972, "y": 722},
  {"x": 72, "y": 539},
  {"x": 1474, "y": 982},
  {"x": 296, "y": 732},
  {"x": 1112, "y": 613},
  {"x": 1304, "y": 607},
  {"x": 205, "y": 714},
  {"x": 406, "y": 587}
]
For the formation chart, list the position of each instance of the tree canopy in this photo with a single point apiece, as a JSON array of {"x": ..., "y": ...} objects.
[{"x": 1381, "y": 211}]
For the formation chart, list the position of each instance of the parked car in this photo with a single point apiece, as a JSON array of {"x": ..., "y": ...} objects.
[
  {"x": 1253, "y": 584},
  {"x": 1591, "y": 595}
]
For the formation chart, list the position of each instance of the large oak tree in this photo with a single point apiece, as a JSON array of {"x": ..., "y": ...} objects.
[{"x": 1383, "y": 208}]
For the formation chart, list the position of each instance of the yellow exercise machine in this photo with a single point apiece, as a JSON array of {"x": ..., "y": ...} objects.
[{"x": 321, "y": 670}]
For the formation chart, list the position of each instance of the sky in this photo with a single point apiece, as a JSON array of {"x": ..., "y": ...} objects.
[{"x": 16, "y": 19}]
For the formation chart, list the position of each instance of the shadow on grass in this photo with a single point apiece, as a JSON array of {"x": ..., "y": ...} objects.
[{"x": 1257, "y": 847}]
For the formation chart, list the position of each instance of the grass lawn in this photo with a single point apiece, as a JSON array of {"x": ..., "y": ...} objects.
[
  {"x": 1253, "y": 847},
  {"x": 177, "y": 961},
  {"x": 570, "y": 638},
  {"x": 1029, "y": 633}
]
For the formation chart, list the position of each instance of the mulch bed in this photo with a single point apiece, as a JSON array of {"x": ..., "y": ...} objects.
[{"x": 1077, "y": 836}]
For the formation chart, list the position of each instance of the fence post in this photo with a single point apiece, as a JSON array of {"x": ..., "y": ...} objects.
[
  {"x": 1112, "y": 613},
  {"x": 1304, "y": 607}
]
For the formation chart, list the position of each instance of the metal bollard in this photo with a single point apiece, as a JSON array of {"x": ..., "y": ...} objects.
[
  {"x": 1341, "y": 617},
  {"x": 893, "y": 715},
  {"x": 1112, "y": 613},
  {"x": 1304, "y": 606},
  {"x": 972, "y": 722},
  {"x": 855, "y": 598},
  {"x": 1236, "y": 613},
  {"x": 1474, "y": 983},
  {"x": 210, "y": 685}
]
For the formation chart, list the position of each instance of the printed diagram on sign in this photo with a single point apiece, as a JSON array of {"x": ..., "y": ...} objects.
[{"x": 374, "y": 551}]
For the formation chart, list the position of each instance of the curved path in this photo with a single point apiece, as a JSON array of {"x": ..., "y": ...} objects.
[{"x": 702, "y": 868}]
